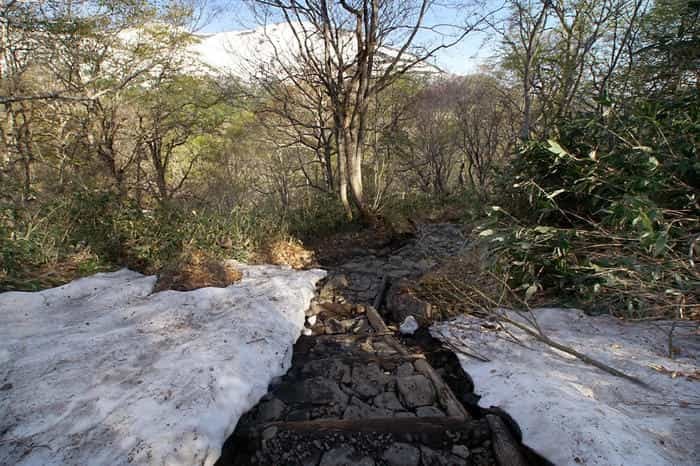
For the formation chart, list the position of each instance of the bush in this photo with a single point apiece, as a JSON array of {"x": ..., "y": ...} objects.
[
  {"x": 146, "y": 240},
  {"x": 36, "y": 251},
  {"x": 321, "y": 216},
  {"x": 93, "y": 231},
  {"x": 462, "y": 206},
  {"x": 606, "y": 216}
]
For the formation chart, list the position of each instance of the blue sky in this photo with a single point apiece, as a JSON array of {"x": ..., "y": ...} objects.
[{"x": 462, "y": 58}]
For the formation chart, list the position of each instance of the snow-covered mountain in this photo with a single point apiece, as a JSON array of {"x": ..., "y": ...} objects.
[{"x": 244, "y": 53}]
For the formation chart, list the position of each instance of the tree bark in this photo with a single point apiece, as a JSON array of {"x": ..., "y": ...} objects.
[{"x": 343, "y": 175}]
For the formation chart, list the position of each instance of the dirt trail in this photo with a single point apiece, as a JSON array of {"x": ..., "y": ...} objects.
[{"x": 359, "y": 394}]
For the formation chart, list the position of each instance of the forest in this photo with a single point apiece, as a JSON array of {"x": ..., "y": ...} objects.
[{"x": 571, "y": 155}]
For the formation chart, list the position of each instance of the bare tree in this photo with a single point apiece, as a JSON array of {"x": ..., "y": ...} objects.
[
  {"x": 617, "y": 48},
  {"x": 524, "y": 37},
  {"x": 557, "y": 47},
  {"x": 73, "y": 62},
  {"x": 486, "y": 127},
  {"x": 301, "y": 118},
  {"x": 429, "y": 150},
  {"x": 352, "y": 49}
]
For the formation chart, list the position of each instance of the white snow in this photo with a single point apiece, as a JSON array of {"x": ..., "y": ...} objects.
[
  {"x": 268, "y": 51},
  {"x": 574, "y": 413},
  {"x": 311, "y": 320},
  {"x": 102, "y": 372},
  {"x": 244, "y": 53},
  {"x": 408, "y": 326},
  {"x": 274, "y": 48}
]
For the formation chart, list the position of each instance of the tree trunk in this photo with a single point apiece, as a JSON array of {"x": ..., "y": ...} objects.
[
  {"x": 527, "y": 108},
  {"x": 328, "y": 165},
  {"x": 353, "y": 149},
  {"x": 27, "y": 188},
  {"x": 343, "y": 175},
  {"x": 160, "y": 169}
]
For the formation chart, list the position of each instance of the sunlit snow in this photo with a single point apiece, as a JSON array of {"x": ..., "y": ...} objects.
[
  {"x": 101, "y": 371},
  {"x": 574, "y": 413}
]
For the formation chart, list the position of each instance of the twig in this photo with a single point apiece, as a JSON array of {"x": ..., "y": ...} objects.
[
  {"x": 469, "y": 353},
  {"x": 593, "y": 362},
  {"x": 537, "y": 332},
  {"x": 670, "y": 340}
]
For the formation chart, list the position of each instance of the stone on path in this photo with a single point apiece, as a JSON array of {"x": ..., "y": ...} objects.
[
  {"x": 345, "y": 456},
  {"x": 402, "y": 454},
  {"x": 408, "y": 326},
  {"x": 416, "y": 390}
]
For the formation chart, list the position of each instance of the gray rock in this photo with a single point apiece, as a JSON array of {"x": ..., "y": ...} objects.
[
  {"x": 333, "y": 369},
  {"x": 429, "y": 411},
  {"x": 369, "y": 380},
  {"x": 334, "y": 288},
  {"x": 415, "y": 391},
  {"x": 425, "y": 264},
  {"x": 405, "y": 370},
  {"x": 402, "y": 454},
  {"x": 461, "y": 451},
  {"x": 431, "y": 457},
  {"x": 298, "y": 415},
  {"x": 402, "y": 303},
  {"x": 324, "y": 391},
  {"x": 345, "y": 456},
  {"x": 316, "y": 390},
  {"x": 268, "y": 434},
  {"x": 271, "y": 410},
  {"x": 368, "y": 265},
  {"x": 358, "y": 409},
  {"x": 408, "y": 326},
  {"x": 388, "y": 400},
  {"x": 396, "y": 274}
]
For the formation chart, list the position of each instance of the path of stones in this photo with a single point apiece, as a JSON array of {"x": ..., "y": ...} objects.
[{"x": 355, "y": 395}]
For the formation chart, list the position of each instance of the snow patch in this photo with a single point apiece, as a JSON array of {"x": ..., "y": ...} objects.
[
  {"x": 275, "y": 48},
  {"x": 408, "y": 326},
  {"x": 574, "y": 413},
  {"x": 101, "y": 371}
]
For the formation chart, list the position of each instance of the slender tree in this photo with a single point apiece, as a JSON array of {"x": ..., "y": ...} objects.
[{"x": 352, "y": 49}]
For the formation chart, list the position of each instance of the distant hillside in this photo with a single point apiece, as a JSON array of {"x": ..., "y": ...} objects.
[{"x": 244, "y": 53}]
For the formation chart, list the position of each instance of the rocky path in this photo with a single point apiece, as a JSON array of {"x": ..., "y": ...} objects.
[{"x": 356, "y": 395}]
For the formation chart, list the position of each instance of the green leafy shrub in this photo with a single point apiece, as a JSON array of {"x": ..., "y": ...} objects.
[
  {"x": 148, "y": 239},
  {"x": 607, "y": 215},
  {"x": 93, "y": 231},
  {"x": 322, "y": 215},
  {"x": 33, "y": 241}
]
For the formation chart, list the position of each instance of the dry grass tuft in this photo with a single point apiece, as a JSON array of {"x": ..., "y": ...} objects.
[
  {"x": 285, "y": 252},
  {"x": 196, "y": 269},
  {"x": 461, "y": 285}
]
